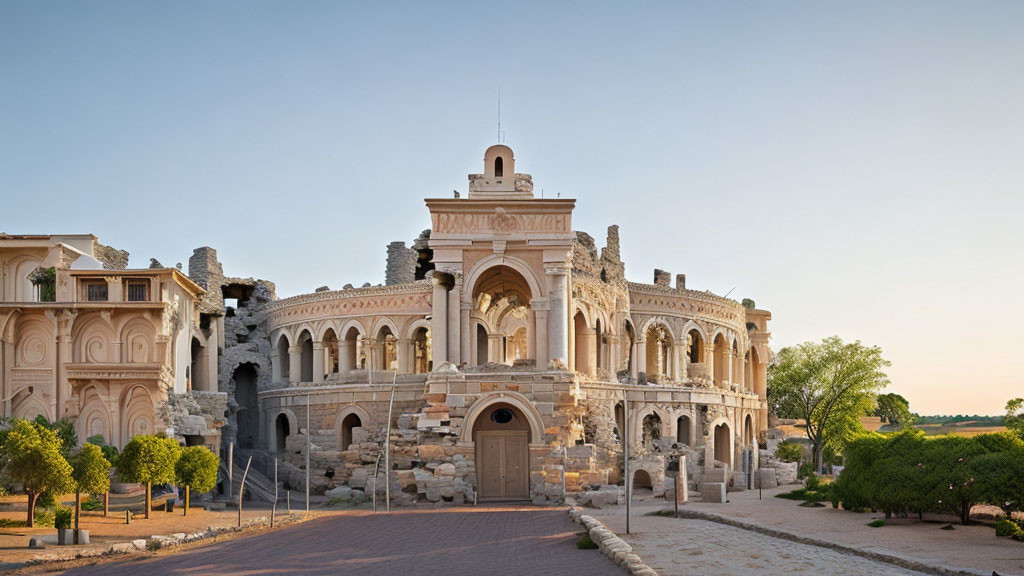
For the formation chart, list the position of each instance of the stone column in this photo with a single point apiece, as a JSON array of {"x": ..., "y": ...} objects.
[
  {"x": 318, "y": 362},
  {"x": 295, "y": 364},
  {"x": 730, "y": 359},
  {"x": 641, "y": 357},
  {"x": 275, "y": 365},
  {"x": 495, "y": 352},
  {"x": 439, "y": 319},
  {"x": 540, "y": 332},
  {"x": 678, "y": 361},
  {"x": 465, "y": 334},
  {"x": 346, "y": 350},
  {"x": 592, "y": 343},
  {"x": 7, "y": 355},
  {"x": 404, "y": 352},
  {"x": 558, "y": 319},
  {"x": 531, "y": 334},
  {"x": 709, "y": 362},
  {"x": 455, "y": 321}
]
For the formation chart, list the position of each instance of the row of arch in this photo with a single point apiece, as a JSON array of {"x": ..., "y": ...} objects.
[
  {"x": 650, "y": 425},
  {"x": 96, "y": 339},
  {"x": 312, "y": 355}
]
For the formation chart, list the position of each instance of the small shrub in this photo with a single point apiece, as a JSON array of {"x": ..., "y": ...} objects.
[
  {"x": 62, "y": 518},
  {"x": 8, "y": 523},
  {"x": 812, "y": 482},
  {"x": 877, "y": 523},
  {"x": 44, "y": 517},
  {"x": 788, "y": 452},
  {"x": 1009, "y": 529},
  {"x": 334, "y": 501},
  {"x": 585, "y": 543},
  {"x": 92, "y": 504},
  {"x": 812, "y": 504},
  {"x": 805, "y": 470},
  {"x": 153, "y": 545}
]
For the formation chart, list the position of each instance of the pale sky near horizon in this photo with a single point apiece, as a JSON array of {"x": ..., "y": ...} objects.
[{"x": 856, "y": 168}]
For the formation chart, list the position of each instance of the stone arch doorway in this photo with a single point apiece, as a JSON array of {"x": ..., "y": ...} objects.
[
  {"x": 247, "y": 416},
  {"x": 723, "y": 444},
  {"x": 282, "y": 429},
  {"x": 348, "y": 425},
  {"x": 501, "y": 434},
  {"x": 642, "y": 480},
  {"x": 499, "y": 291}
]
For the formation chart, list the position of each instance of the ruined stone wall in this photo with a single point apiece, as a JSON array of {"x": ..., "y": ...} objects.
[
  {"x": 401, "y": 264},
  {"x": 245, "y": 341},
  {"x": 206, "y": 271},
  {"x": 112, "y": 258}
]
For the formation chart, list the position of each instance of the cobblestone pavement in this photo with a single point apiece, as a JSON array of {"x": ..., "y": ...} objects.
[
  {"x": 463, "y": 542},
  {"x": 677, "y": 547}
]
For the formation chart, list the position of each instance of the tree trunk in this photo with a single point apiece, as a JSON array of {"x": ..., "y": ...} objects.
[
  {"x": 106, "y": 503},
  {"x": 31, "y": 520},
  {"x": 186, "y": 499},
  {"x": 965, "y": 513},
  {"x": 78, "y": 508},
  {"x": 149, "y": 498},
  {"x": 817, "y": 457}
]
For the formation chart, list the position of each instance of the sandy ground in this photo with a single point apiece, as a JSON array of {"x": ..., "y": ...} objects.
[
  {"x": 971, "y": 548},
  {"x": 105, "y": 531}
]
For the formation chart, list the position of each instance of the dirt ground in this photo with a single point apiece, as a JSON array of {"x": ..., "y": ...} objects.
[{"x": 106, "y": 531}]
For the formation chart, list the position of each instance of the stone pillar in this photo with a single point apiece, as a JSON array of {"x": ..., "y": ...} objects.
[
  {"x": 439, "y": 320},
  {"x": 455, "y": 321},
  {"x": 709, "y": 362},
  {"x": 495, "y": 352},
  {"x": 730, "y": 359},
  {"x": 641, "y": 357},
  {"x": 592, "y": 344},
  {"x": 465, "y": 334},
  {"x": 295, "y": 364},
  {"x": 318, "y": 362},
  {"x": 540, "y": 332},
  {"x": 346, "y": 350},
  {"x": 678, "y": 361},
  {"x": 7, "y": 355},
  {"x": 531, "y": 334},
  {"x": 404, "y": 352},
  {"x": 64, "y": 356},
  {"x": 275, "y": 365},
  {"x": 558, "y": 319}
]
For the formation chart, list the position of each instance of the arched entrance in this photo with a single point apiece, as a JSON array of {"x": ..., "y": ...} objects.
[
  {"x": 282, "y": 429},
  {"x": 723, "y": 444},
  {"x": 502, "y": 437},
  {"x": 247, "y": 415},
  {"x": 501, "y": 305},
  {"x": 683, "y": 430},
  {"x": 642, "y": 480},
  {"x": 349, "y": 423}
]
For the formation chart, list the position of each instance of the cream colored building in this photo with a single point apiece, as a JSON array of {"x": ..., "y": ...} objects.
[
  {"x": 107, "y": 348},
  {"x": 514, "y": 357}
]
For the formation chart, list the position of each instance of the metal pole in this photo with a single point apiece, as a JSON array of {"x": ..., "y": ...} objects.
[
  {"x": 308, "y": 432},
  {"x": 387, "y": 449},
  {"x": 564, "y": 457},
  {"x": 625, "y": 445},
  {"x": 231, "y": 467},
  {"x": 273, "y": 509},
  {"x": 241, "y": 490}
]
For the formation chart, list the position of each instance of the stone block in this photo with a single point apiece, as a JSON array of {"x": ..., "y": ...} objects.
[
  {"x": 431, "y": 452},
  {"x": 715, "y": 475},
  {"x": 713, "y": 491},
  {"x": 787, "y": 473},
  {"x": 766, "y": 478},
  {"x": 739, "y": 481}
]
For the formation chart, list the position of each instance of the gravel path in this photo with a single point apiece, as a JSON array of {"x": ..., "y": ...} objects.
[{"x": 673, "y": 546}]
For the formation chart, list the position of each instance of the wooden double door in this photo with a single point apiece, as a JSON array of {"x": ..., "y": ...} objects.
[{"x": 503, "y": 464}]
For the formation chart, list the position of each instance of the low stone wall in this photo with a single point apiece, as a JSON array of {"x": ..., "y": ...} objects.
[{"x": 611, "y": 545}]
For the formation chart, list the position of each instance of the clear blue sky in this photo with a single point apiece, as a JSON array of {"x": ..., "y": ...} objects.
[{"x": 854, "y": 167}]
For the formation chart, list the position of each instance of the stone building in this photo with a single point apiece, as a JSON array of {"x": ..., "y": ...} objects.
[
  {"x": 513, "y": 357},
  {"x": 121, "y": 352}
]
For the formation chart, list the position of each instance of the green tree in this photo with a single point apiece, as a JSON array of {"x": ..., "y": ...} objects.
[
  {"x": 828, "y": 384},
  {"x": 196, "y": 469},
  {"x": 147, "y": 459},
  {"x": 33, "y": 458},
  {"x": 91, "y": 473},
  {"x": 894, "y": 409},
  {"x": 64, "y": 429},
  {"x": 1014, "y": 420}
]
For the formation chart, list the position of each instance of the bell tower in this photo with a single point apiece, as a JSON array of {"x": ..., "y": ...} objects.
[{"x": 499, "y": 180}]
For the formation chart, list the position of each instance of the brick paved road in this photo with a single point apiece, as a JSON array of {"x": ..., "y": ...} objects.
[{"x": 421, "y": 543}]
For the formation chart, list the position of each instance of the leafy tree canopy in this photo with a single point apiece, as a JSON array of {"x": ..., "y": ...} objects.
[
  {"x": 830, "y": 385},
  {"x": 91, "y": 470},
  {"x": 33, "y": 458},
  {"x": 65, "y": 431},
  {"x": 894, "y": 409},
  {"x": 1014, "y": 420},
  {"x": 148, "y": 459},
  {"x": 197, "y": 469}
]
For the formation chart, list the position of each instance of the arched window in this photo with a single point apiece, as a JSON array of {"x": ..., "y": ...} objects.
[{"x": 498, "y": 167}]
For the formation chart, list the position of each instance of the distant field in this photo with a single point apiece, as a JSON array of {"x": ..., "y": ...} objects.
[{"x": 958, "y": 429}]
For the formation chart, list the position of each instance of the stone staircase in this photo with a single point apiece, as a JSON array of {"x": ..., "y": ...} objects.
[{"x": 257, "y": 486}]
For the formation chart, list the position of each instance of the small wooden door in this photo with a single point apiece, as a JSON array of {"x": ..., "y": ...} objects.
[{"x": 502, "y": 458}]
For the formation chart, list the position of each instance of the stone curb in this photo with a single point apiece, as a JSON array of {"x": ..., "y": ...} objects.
[
  {"x": 877, "y": 556},
  {"x": 155, "y": 542},
  {"x": 611, "y": 545}
]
